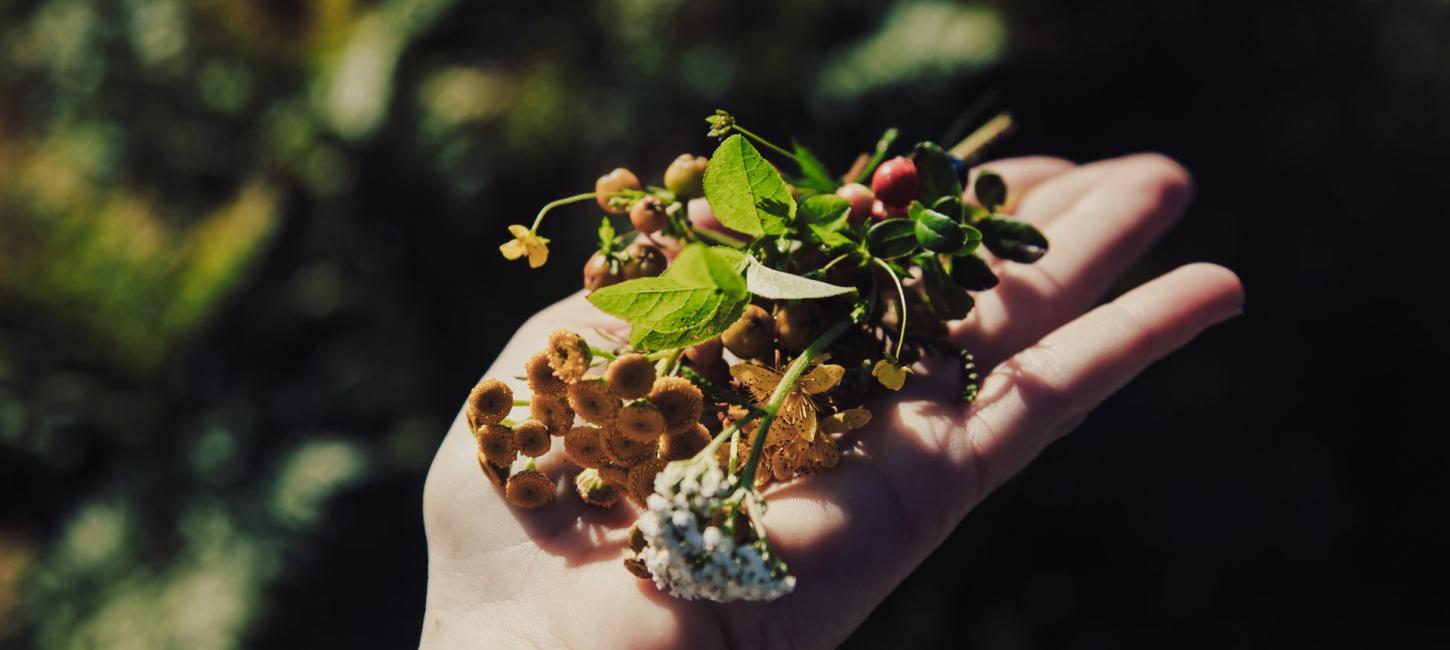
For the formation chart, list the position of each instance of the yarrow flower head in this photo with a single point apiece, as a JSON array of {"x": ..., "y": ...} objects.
[{"x": 691, "y": 548}]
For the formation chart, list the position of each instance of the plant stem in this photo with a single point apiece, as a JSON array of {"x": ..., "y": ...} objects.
[
  {"x": 667, "y": 364},
  {"x": 984, "y": 136},
  {"x": 902, "y": 294},
  {"x": 833, "y": 262},
  {"x": 767, "y": 143},
  {"x": 719, "y": 238},
  {"x": 556, "y": 203},
  {"x": 882, "y": 145},
  {"x": 521, "y": 402},
  {"x": 601, "y": 353},
  {"x": 787, "y": 383}
]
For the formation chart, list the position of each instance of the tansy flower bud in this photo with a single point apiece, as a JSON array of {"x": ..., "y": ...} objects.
[
  {"x": 493, "y": 473},
  {"x": 541, "y": 376},
  {"x": 496, "y": 442},
  {"x": 687, "y": 444},
  {"x": 592, "y": 399},
  {"x": 489, "y": 401},
  {"x": 532, "y": 438},
  {"x": 679, "y": 401},
  {"x": 529, "y": 489},
  {"x": 583, "y": 445},
  {"x": 614, "y": 475},
  {"x": 622, "y": 450},
  {"x": 631, "y": 375},
  {"x": 593, "y": 490},
  {"x": 554, "y": 412},
  {"x": 641, "y": 420},
  {"x": 641, "y": 481},
  {"x": 569, "y": 355}
]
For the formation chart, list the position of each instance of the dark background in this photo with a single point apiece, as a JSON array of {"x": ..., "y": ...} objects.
[{"x": 248, "y": 271}]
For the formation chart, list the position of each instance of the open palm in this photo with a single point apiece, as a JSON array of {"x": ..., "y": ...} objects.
[{"x": 503, "y": 577}]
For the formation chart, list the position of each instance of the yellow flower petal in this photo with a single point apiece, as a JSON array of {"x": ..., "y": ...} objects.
[
  {"x": 512, "y": 249},
  {"x": 822, "y": 378},
  {"x": 520, "y": 233},
  {"x": 538, "y": 254},
  {"x": 889, "y": 374}
]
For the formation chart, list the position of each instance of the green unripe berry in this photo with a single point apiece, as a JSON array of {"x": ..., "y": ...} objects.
[{"x": 686, "y": 175}]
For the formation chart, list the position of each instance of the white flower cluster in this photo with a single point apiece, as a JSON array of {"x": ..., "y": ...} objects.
[{"x": 688, "y": 557}]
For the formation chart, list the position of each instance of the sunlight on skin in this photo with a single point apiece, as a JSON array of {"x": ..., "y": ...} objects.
[{"x": 553, "y": 577}]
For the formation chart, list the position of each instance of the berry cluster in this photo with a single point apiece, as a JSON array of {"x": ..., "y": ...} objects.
[{"x": 766, "y": 310}]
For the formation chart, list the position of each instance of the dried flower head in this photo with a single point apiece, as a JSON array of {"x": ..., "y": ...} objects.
[
  {"x": 594, "y": 490},
  {"x": 593, "y": 400},
  {"x": 615, "y": 475},
  {"x": 569, "y": 355},
  {"x": 631, "y": 375},
  {"x": 641, "y": 420},
  {"x": 494, "y": 474},
  {"x": 625, "y": 451},
  {"x": 584, "y": 446},
  {"x": 679, "y": 401},
  {"x": 636, "y": 566},
  {"x": 531, "y": 437},
  {"x": 541, "y": 376},
  {"x": 554, "y": 412},
  {"x": 641, "y": 481},
  {"x": 529, "y": 489},
  {"x": 496, "y": 442},
  {"x": 489, "y": 401},
  {"x": 687, "y": 444}
]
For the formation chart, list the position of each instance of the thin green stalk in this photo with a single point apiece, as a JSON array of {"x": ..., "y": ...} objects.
[
  {"x": 901, "y": 338},
  {"x": 767, "y": 143},
  {"x": 556, "y": 203},
  {"x": 665, "y": 367},
  {"x": 601, "y": 353},
  {"x": 718, "y": 238},
  {"x": 521, "y": 402},
  {"x": 787, "y": 383},
  {"x": 882, "y": 145}
]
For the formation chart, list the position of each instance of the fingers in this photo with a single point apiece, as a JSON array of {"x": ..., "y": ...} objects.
[
  {"x": 1021, "y": 175},
  {"x": 1129, "y": 202},
  {"x": 1043, "y": 391}
]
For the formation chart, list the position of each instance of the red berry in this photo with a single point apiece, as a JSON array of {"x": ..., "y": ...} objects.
[
  {"x": 648, "y": 215},
  {"x": 895, "y": 182},
  {"x": 860, "y": 197},
  {"x": 881, "y": 212},
  {"x": 644, "y": 261},
  {"x": 610, "y": 184}
]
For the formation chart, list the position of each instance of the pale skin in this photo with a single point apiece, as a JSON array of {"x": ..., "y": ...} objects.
[{"x": 502, "y": 577}]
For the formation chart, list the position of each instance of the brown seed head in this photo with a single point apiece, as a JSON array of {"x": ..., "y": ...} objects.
[
  {"x": 554, "y": 412},
  {"x": 583, "y": 446},
  {"x": 541, "y": 376},
  {"x": 685, "y": 445},
  {"x": 631, "y": 375},
  {"x": 641, "y": 481},
  {"x": 531, "y": 437},
  {"x": 679, "y": 401},
  {"x": 569, "y": 355},
  {"x": 615, "y": 475},
  {"x": 529, "y": 489},
  {"x": 489, "y": 401},
  {"x": 622, "y": 450},
  {"x": 641, "y": 421},
  {"x": 493, "y": 473},
  {"x": 592, "y": 399},
  {"x": 496, "y": 442}
]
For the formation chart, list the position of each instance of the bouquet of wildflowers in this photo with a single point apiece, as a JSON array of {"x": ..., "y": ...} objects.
[{"x": 765, "y": 311}]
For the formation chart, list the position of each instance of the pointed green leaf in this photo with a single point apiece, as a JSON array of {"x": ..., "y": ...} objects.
[
  {"x": 814, "y": 175},
  {"x": 892, "y": 238},
  {"x": 938, "y": 176},
  {"x": 699, "y": 296},
  {"x": 948, "y": 299},
  {"x": 991, "y": 190},
  {"x": 746, "y": 192},
  {"x": 973, "y": 273},
  {"x": 769, "y": 283},
  {"x": 1011, "y": 239}
]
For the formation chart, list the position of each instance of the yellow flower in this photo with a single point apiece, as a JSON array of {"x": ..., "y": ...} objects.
[
  {"x": 526, "y": 243},
  {"x": 797, "y": 413},
  {"x": 890, "y": 374}
]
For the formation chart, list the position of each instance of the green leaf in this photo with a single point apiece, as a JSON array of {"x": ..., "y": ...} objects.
[
  {"x": 948, "y": 299},
  {"x": 936, "y": 232},
  {"x": 769, "y": 283},
  {"x": 814, "y": 174},
  {"x": 892, "y": 238},
  {"x": 746, "y": 192},
  {"x": 699, "y": 296},
  {"x": 736, "y": 258},
  {"x": 822, "y": 209},
  {"x": 938, "y": 175},
  {"x": 973, "y": 273},
  {"x": 950, "y": 206},
  {"x": 1012, "y": 239},
  {"x": 606, "y": 236},
  {"x": 991, "y": 190}
]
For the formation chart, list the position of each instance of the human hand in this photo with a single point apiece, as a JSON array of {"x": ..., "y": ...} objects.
[{"x": 504, "y": 577}]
